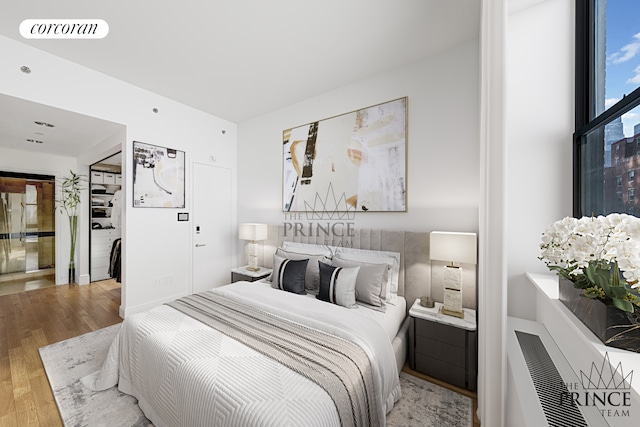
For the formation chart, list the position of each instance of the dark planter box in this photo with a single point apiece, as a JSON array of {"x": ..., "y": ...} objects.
[{"x": 613, "y": 327}]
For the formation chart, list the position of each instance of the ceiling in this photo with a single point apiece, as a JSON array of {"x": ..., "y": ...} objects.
[
  {"x": 238, "y": 59},
  {"x": 71, "y": 134},
  {"x": 235, "y": 59}
]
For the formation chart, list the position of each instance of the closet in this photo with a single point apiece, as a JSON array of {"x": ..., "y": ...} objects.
[{"x": 106, "y": 212}]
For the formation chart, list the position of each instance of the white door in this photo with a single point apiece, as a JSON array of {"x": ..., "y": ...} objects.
[{"x": 211, "y": 227}]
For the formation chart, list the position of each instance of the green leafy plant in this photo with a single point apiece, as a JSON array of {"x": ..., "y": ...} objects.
[
  {"x": 68, "y": 203},
  {"x": 603, "y": 282}
]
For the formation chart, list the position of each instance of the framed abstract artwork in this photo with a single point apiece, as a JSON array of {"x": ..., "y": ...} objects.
[
  {"x": 158, "y": 176},
  {"x": 353, "y": 162}
]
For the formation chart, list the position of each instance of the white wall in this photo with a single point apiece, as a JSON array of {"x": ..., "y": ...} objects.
[
  {"x": 492, "y": 266},
  {"x": 442, "y": 147},
  {"x": 540, "y": 117},
  {"x": 156, "y": 245},
  {"x": 539, "y": 124}
]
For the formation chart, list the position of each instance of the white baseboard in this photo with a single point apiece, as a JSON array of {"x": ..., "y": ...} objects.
[{"x": 84, "y": 279}]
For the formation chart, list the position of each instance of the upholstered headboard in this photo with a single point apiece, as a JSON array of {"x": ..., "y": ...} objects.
[{"x": 414, "y": 279}]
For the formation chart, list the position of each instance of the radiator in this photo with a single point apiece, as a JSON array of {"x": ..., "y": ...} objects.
[{"x": 540, "y": 381}]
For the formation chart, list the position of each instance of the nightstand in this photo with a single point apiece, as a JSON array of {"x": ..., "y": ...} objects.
[
  {"x": 444, "y": 347},
  {"x": 242, "y": 274}
]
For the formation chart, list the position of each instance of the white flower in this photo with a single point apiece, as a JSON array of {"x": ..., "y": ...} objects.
[{"x": 571, "y": 244}]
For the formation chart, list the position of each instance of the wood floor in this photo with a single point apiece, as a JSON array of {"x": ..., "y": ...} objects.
[
  {"x": 29, "y": 320},
  {"x": 26, "y": 282}
]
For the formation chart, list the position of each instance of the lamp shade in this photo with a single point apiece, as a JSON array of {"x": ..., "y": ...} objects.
[
  {"x": 453, "y": 247},
  {"x": 253, "y": 231}
]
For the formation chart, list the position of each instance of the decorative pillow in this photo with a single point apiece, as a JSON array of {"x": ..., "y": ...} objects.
[
  {"x": 312, "y": 277},
  {"x": 338, "y": 285},
  {"x": 371, "y": 284},
  {"x": 376, "y": 257},
  {"x": 288, "y": 274},
  {"x": 308, "y": 248}
]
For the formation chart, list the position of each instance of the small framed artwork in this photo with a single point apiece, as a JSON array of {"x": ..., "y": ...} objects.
[
  {"x": 158, "y": 176},
  {"x": 354, "y": 162}
]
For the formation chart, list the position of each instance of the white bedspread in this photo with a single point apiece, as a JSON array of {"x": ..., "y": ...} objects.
[
  {"x": 390, "y": 320},
  {"x": 184, "y": 373}
]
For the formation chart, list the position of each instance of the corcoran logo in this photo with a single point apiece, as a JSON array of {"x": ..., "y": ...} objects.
[
  {"x": 64, "y": 29},
  {"x": 604, "y": 387}
]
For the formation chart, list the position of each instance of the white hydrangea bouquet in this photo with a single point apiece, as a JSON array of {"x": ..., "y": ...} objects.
[{"x": 600, "y": 255}]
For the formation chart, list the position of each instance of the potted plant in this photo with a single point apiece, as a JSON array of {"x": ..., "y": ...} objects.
[
  {"x": 598, "y": 262},
  {"x": 69, "y": 201}
]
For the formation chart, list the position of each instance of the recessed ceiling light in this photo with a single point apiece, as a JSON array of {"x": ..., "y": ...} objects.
[
  {"x": 49, "y": 125},
  {"x": 25, "y": 69},
  {"x": 34, "y": 141}
]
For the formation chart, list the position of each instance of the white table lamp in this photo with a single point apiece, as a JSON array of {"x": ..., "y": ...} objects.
[
  {"x": 253, "y": 232},
  {"x": 453, "y": 247}
]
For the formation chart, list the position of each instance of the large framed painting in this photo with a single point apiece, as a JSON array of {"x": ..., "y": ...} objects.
[
  {"x": 353, "y": 162},
  {"x": 158, "y": 176}
]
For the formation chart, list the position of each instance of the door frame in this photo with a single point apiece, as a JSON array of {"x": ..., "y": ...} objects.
[
  {"x": 232, "y": 255},
  {"x": 89, "y": 208}
]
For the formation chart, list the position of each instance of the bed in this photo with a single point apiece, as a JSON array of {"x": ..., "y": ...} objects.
[{"x": 259, "y": 354}]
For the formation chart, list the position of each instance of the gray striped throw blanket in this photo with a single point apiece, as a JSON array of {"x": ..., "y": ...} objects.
[{"x": 340, "y": 367}]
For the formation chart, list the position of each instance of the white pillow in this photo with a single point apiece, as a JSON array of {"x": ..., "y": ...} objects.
[
  {"x": 371, "y": 284},
  {"x": 308, "y": 248},
  {"x": 392, "y": 259}
]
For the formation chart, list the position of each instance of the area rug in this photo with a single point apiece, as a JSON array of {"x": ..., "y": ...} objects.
[{"x": 422, "y": 403}]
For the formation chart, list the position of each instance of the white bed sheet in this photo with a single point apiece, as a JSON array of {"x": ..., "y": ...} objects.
[
  {"x": 390, "y": 320},
  {"x": 140, "y": 374}
]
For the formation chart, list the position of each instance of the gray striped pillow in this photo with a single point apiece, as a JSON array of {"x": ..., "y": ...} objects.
[
  {"x": 289, "y": 274},
  {"x": 338, "y": 285}
]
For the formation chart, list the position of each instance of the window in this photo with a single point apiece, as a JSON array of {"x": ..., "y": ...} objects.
[{"x": 607, "y": 137}]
